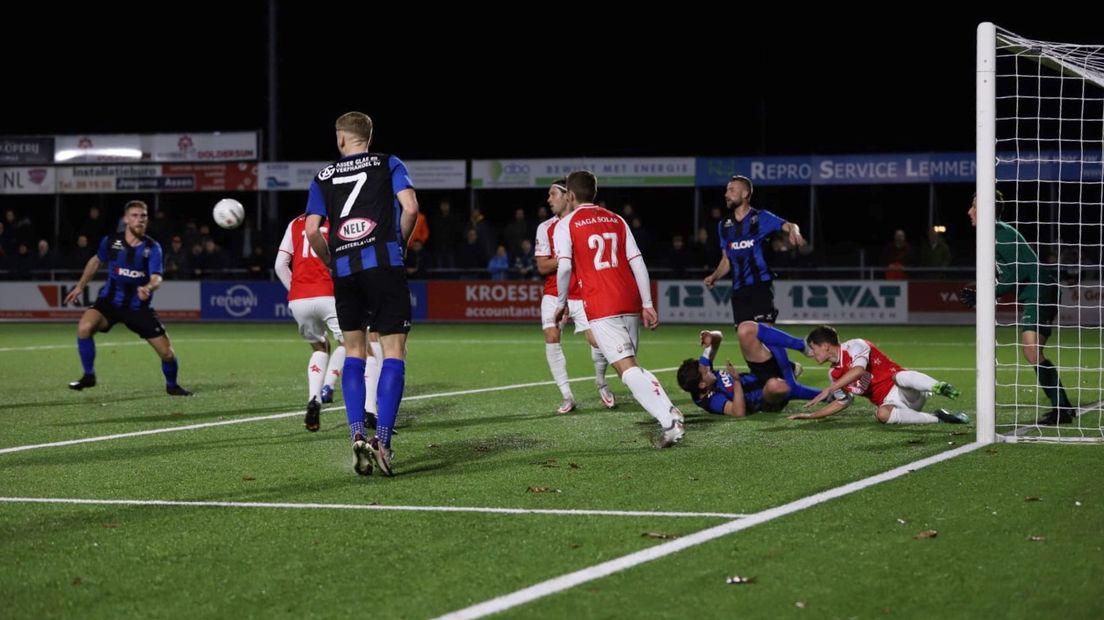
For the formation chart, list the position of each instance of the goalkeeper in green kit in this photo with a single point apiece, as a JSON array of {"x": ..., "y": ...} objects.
[{"x": 1018, "y": 266}]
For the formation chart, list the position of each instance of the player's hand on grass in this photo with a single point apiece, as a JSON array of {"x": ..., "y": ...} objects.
[
  {"x": 818, "y": 398},
  {"x": 800, "y": 416}
]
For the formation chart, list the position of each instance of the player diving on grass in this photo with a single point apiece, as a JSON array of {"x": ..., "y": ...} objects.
[
  {"x": 859, "y": 368},
  {"x": 769, "y": 386}
]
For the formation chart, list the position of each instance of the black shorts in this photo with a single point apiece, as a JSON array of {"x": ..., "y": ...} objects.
[
  {"x": 754, "y": 302},
  {"x": 377, "y": 299},
  {"x": 765, "y": 371},
  {"x": 143, "y": 321}
]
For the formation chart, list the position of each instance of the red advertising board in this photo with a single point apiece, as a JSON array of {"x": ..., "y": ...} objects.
[
  {"x": 485, "y": 301},
  {"x": 241, "y": 177}
]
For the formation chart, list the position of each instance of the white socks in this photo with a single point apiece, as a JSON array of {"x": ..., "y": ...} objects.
[
  {"x": 647, "y": 391},
  {"x": 316, "y": 373},
  {"x": 600, "y": 365},
  {"x": 900, "y": 415},
  {"x": 557, "y": 363},
  {"x": 372, "y": 366},
  {"x": 337, "y": 362}
]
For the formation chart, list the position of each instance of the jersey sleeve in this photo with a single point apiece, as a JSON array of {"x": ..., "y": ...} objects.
[
  {"x": 316, "y": 205},
  {"x": 859, "y": 351},
  {"x": 400, "y": 176},
  {"x": 715, "y": 404},
  {"x": 769, "y": 223},
  {"x": 155, "y": 261},
  {"x": 288, "y": 244},
  {"x": 542, "y": 247},
  {"x": 562, "y": 239},
  {"x": 102, "y": 252}
]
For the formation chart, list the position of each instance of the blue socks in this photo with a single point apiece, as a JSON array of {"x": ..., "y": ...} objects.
[
  {"x": 169, "y": 370},
  {"x": 771, "y": 336},
  {"x": 87, "y": 349},
  {"x": 352, "y": 388},
  {"x": 388, "y": 396},
  {"x": 797, "y": 390}
]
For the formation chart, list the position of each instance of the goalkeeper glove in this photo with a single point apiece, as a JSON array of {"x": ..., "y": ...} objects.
[{"x": 968, "y": 297}]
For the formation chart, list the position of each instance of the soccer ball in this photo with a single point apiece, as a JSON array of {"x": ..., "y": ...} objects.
[{"x": 228, "y": 213}]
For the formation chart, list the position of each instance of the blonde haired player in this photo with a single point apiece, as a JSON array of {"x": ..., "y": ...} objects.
[
  {"x": 546, "y": 265},
  {"x": 616, "y": 292}
]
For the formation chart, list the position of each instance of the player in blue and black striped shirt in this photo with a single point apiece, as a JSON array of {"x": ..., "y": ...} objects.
[
  {"x": 133, "y": 274},
  {"x": 769, "y": 386},
  {"x": 742, "y": 238}
]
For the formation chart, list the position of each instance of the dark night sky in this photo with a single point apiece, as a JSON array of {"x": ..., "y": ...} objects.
[{"x": 701, "y": 84}]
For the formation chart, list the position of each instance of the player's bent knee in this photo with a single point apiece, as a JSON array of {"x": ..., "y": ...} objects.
[
  {"x": 747, "y": 330},
  {"x": 883, "y": 413}
]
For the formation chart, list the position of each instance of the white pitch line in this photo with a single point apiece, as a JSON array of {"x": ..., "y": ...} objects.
[
  {"x": 276, "y": 416},
  {"x": 296, "y": 506},
  {"x": 570, "y": 580}
]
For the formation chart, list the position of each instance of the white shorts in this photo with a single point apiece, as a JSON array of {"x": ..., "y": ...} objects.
[
  {"x": 617, "y": 336},
  {"x": 578, "y": 314},
  {"x": 548, "y": 311},
  {"x": 314, "y": 315},
  {"x": 905, "y": 397}
]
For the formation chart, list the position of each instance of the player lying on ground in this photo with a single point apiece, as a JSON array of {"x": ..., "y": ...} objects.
[
  {"x": 769, "y": 386},
  {"x": 859, "y": 368}
]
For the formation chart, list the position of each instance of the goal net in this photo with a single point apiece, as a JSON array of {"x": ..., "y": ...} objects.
[{"x": 1040, "y": 146}]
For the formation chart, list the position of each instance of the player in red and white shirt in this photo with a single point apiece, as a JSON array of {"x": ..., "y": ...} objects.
[
  {"x": 546, "y": 266},
  {"x": 860, "y": 369},
  {"x": 311, "y": 301},
  {"x": 598, "y": 246}
]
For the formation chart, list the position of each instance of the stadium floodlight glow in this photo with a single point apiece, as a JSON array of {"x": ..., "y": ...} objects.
[{"x": 1040, "y": 142}]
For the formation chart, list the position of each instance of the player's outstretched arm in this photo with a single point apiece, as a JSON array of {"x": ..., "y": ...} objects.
[
  {"x": 90, "y": 269},
  {"x": 794, "y": 231},
  {"x": 831, "y": 408},
  {"x": 849, "y": 377},
  {"x": 711, "y": 340}
]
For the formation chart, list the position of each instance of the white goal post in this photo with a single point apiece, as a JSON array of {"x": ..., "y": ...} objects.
[{"x": 1040, "y": 143}]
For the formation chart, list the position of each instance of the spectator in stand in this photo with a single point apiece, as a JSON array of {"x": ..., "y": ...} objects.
[
  {"x": 446, "y": 236},
  {"x": 45, "y": 261},
  {"x": 517, "y": 231},
  {"x": 897, "y": 256},
  {"x": 178, "y": 260},
  {"x": 525, "y": 262},
  {"x": 487, "y": 237},
  {"x": 20, "y": 265},
  {"x": 499, "y": 264},
  {"x": 470, "y": 256},
  {"x": 708, "y": 248},
  {"x": 935, "y": 255},
  {"x": 21, "y": 228},
  {"x": 79, "y": 254},
  {"x": 257, "y": 264},
  {"x": 198, "y": 261}
]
